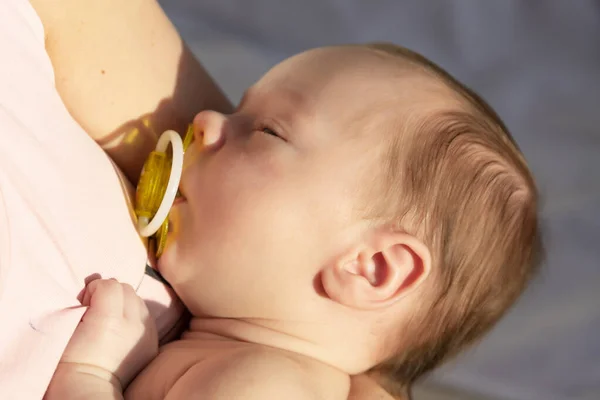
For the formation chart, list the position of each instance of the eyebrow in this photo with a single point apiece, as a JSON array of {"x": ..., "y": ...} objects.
[
  {"x": 297, "y": 100},
  {"x": 295, "y": 97}
]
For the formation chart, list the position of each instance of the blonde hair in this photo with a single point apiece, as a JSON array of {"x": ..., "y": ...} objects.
[{"x": 468, "y": 194}]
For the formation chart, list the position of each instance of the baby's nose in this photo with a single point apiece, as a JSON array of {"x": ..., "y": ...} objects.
[{"x": 209, "y": 127}]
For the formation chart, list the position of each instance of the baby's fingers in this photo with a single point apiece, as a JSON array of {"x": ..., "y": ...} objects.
[
  {"x": 104, "y": 297},
  {"x": 134, "y": 308}
]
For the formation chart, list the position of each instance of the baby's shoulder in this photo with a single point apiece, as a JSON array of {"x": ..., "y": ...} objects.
[{"x": 255, "y": 372}]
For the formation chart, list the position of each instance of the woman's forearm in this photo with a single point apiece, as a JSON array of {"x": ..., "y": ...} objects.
[{"x": 121, "y": 65}]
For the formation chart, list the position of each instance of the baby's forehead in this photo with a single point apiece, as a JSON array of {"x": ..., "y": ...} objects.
[
  {"x": 356, "y": 77},
  {"x": 355, "y": 87}
]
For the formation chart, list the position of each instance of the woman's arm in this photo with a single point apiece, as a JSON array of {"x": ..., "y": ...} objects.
[{"x": 121, "y": 65}]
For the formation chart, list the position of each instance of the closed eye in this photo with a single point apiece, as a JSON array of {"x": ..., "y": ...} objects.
[{"x": 271, "y": 132}]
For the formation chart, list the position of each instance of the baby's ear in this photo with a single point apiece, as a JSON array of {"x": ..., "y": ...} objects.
[{"x": 380, "y": 271}]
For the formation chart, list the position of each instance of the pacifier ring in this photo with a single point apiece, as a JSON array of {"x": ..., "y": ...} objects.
[{"x": 149, "y": 228}]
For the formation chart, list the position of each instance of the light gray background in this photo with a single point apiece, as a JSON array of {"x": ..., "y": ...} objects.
[{"x": 538, "y": 64}]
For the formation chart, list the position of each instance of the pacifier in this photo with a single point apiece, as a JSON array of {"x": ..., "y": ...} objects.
[{"x": 159, "y": 185}]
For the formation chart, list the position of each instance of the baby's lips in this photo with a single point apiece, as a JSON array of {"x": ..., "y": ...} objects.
[{"x": 179, "y": 197}]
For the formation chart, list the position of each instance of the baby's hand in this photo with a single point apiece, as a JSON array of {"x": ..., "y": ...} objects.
[{"x": 116, "y": 337}]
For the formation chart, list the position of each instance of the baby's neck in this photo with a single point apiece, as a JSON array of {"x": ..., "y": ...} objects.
[{"x": 263, "y": 333}]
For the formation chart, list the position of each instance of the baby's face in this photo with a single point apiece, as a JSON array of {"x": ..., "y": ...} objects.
[{"x": 280, "y": 194}]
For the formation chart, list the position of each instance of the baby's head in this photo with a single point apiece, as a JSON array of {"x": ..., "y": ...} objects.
[{"x": 360, "y": 203}]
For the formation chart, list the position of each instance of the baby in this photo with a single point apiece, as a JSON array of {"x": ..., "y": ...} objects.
[{"x": 360, "y": 211}]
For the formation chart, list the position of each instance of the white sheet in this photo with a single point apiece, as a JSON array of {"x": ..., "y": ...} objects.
[{"x": 538, "y": 63}]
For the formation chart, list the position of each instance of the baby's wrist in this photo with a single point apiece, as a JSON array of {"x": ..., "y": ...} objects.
[
  {"x": 90, "y": 370},
  {"x": 81, "y": 380}
]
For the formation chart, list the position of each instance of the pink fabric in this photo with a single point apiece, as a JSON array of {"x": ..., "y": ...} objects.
[{"x": 62, "y": 215}]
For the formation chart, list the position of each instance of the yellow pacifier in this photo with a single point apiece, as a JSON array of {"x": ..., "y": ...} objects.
[{"x": 159, "y": 185}]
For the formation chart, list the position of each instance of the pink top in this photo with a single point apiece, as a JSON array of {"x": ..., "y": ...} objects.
[{"x": 63, "y": 216}]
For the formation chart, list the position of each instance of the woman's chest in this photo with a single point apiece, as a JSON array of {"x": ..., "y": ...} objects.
[{"x": 68, "y": 209}]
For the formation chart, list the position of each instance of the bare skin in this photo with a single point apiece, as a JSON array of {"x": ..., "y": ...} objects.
[
  {"x": 109, "y": 97},
  {"x": 119, "y": 63},
  {"x": 363, "y": 387}
]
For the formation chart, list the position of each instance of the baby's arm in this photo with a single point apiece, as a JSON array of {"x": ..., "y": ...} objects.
[
  {"x": 250, "y": 376},
  {"x": 117, "y": 62},
  {"x": 82, "y": 383},
  {"x": 115, "y": 339}
]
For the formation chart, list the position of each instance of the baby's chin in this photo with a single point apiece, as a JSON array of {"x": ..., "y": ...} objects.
[{"x": 173, "y": 263}]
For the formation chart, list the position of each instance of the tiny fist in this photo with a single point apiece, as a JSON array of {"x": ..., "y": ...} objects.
[{"x": 116, "y": 327}]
